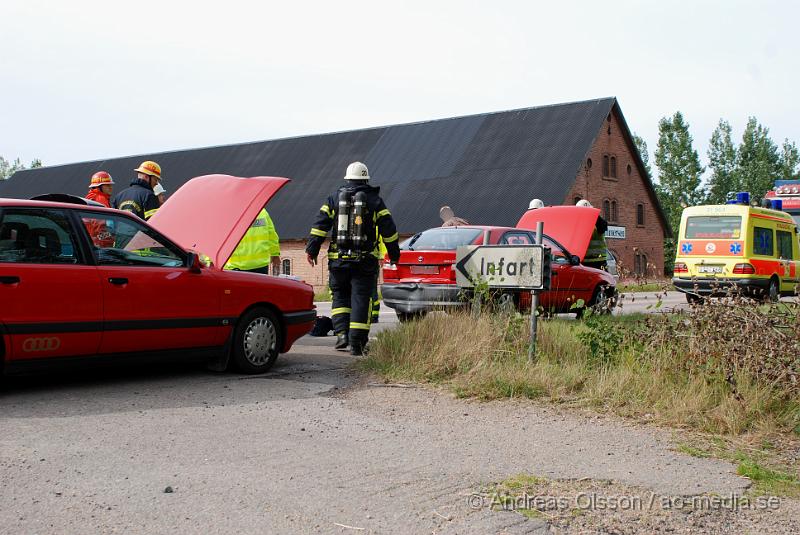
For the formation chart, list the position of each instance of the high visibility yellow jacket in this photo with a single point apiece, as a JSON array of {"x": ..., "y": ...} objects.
[{"x": 259, "y": 244}]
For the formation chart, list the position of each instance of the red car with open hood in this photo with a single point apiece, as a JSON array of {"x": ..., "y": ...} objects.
[
  {"x": 79, "y": 281},
  {"x": 425, "y": 279}
]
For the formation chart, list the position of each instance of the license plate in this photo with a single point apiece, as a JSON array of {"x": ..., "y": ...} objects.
[
  {"x": 425, "y": 270},
  {"x": 709, "y": 269}
]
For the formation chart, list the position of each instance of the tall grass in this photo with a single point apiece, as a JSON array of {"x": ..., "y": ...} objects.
[{"x": 668, "y": 369}]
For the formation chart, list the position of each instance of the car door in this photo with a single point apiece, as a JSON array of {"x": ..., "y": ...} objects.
[
  {"x": 50, "y": 296},
  {"x": 152, "y": 300}
]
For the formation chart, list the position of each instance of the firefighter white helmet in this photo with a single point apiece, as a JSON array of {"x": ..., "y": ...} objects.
[
  {"x": 535, "y": 203},
  {"x": 357, "y": 171},
  {"x": 583, "y": 202}
]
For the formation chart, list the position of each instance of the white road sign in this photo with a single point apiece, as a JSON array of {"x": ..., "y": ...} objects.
[{"x": 501, "y": 266}]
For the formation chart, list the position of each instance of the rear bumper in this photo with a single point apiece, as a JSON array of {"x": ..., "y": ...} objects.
[
  {"x": 719, "y": 286},
  {"x": 413, "y": 297}
]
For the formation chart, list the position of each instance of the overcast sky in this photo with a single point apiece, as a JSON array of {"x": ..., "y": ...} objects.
[{"x": 85, "y": 80}]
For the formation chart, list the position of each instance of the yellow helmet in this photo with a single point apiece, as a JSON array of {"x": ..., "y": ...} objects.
[{"x": 149, "y": 168}]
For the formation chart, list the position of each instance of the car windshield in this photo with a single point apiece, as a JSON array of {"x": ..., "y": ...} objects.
[
  {"x": 714, "y": 227},
  {"x": 441, "y": 239}
]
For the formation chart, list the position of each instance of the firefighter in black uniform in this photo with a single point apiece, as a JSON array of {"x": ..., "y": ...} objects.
[
  {"x": 139, "y": 198},
  {"x": 357, "y": 215}
]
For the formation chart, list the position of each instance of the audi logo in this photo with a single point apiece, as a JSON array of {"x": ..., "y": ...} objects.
[{"x": 35, "y": 345}]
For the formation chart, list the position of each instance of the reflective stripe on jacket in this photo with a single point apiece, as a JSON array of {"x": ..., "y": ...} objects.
[{"x": 259, "y": 244}]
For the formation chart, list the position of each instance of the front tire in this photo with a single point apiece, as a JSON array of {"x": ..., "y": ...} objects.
[{"x": 256, "y": 341}]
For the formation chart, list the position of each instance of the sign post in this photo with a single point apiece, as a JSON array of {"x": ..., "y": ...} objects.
[
  {"x": 535, "y": 300},
  {"x": 517, "y": 267}
]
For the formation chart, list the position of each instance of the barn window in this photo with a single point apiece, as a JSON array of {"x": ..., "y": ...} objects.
[
  {"x": 613, "y": 167},
  {"x": 607, "y": 210},
  {"x": 640, "y": 264},
  {"x": 613, "y": 211},
  {"x": 286, "y": 266},
  {"x": 640, "y": 215},
  {"x": 589, "y": 163},
  {"x": 605, "y": 165},
  {"x": 629, "y": 169}
]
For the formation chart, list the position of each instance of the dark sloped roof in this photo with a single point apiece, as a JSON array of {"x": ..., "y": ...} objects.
[{"x": 486, "y": 167}]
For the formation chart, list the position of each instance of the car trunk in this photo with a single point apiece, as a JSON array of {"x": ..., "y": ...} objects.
[{"x": 430, "y": 255}]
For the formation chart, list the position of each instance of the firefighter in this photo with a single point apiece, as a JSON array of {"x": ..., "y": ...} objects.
[
  {"x": 597, "y": 253},
  {"x": 259, "y": 249},
  {"x": 535, "y": 203},
  {"x": 139, "y": 198},
  {"x": 358, "y": 215},
  {"x": 101, "y": 187}
]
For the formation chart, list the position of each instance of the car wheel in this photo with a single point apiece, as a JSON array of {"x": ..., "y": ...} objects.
[
  {"x": 773, "y": 291},
  {"x": 601, "y": 303},
  {"x": 410, "y": 316},
  {"x": 257, "y": 341},
  {"x": 693, "y": 299}
]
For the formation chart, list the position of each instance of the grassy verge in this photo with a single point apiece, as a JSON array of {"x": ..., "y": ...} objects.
[
  {"x": 761, "y": 463},
  {"x": 723, "y": 371},
  {"x": 629, "y": 287}
]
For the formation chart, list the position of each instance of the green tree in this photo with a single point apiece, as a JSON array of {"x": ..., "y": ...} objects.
[
  {"x": 757, "y": 160},
  {"x": 789, "y": 160},
  {"x": 679, "y": 172},
  {"x": 679, "y": 169},
  {"x": 9, "y": 168},
  {"x": 641, "y": 146},
  {"x": 722, "y": 161}
]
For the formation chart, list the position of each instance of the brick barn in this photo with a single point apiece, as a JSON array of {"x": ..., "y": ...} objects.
[{"x": 487, "y": 167}]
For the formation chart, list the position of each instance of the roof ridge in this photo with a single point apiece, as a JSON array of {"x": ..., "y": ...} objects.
[{"x": 321, "y": 134}]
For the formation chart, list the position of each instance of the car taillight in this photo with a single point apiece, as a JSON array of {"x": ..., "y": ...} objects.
[
  {"x": 680, "y": 267},
  {"x": 744, "y": 269},
  {"x": 453, "y": 272},
  {"x": 390, "y": 271}
]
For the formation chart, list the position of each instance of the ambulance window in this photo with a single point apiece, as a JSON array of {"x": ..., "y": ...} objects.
[
  {"x": 785, "y": 245},
  {"x": 714, "y": 227},
  {"x": 762, "y": 241}
]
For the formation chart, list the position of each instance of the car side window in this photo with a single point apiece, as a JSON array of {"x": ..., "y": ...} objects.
[
  {"x": 120, "y": 241},
  {"x": 37, "y": 236},
  {"x": 785, "y": 245},
  {"x": 516, "y": 238},
  {"x": 762, "y": 241},
  {"x": 557, "y": 253}
]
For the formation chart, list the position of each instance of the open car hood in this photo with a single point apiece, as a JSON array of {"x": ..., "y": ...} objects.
[
  {"x": 571, "y": 226},
  {"x": 210, "y": 214}
]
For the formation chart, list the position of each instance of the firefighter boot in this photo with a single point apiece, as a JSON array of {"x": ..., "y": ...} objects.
[
  {"x": 341, "y": 342},
  {"x": 358, "y": 345}
]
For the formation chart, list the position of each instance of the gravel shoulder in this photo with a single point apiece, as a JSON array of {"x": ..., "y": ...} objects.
[{"x": 313, "y": 447}]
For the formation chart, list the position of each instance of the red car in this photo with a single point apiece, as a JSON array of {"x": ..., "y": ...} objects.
[
  {"x": 424, "y": 279},
  {"x": 82, "y": 281}
]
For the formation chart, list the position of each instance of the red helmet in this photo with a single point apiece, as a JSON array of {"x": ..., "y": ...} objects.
[{"x": 100, "y": 178}]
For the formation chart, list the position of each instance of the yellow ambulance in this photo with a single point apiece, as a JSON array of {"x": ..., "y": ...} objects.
[{"x": 755, "y": 249}]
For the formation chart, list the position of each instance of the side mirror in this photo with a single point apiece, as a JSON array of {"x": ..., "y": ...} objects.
[
  {"x": 193, "y": 263},
  {"x": 574, "y": 260}
]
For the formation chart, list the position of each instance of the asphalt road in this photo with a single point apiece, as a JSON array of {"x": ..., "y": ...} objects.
[{"x": 311, "y": 447}]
